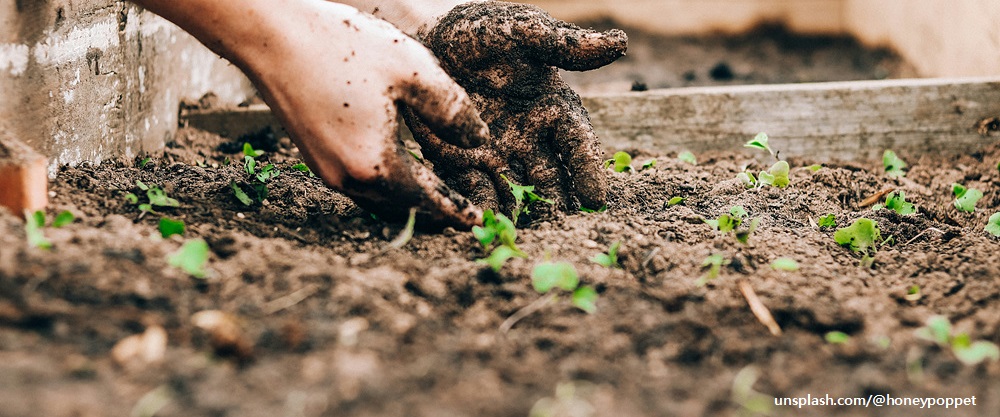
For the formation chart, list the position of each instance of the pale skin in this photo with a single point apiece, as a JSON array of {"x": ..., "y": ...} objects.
[{"x": 336, "y": 74}]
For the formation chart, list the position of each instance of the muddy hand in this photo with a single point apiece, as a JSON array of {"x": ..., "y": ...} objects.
[{"x": 507, "y": 57}]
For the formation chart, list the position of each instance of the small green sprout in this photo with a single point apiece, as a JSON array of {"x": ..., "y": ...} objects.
[
  {"x": 750, "y": 400},
  {"x": 688, "y": 157},
  {"x": 860, "y": 236},
  {"x": 495, "y": 226},
  {"x": 301, "y": 167},
  {"x": 675, "y": 201},
  {"x": 64, "y": 218},
  {"x": 743, "y": 236},
  {"x": 828, "y": 220},
  {"x": 785, "y": 264},
  {"x": 590, "y": 210},
  {"x": 893, "y": 165},
  {"x": 938, "y": 330},
  {"x": 609, "y": 259},
  {"x": 500, "y": 256},
  {"x": 131, "y": 198},
  {"x": 407, "y": 233},
  {"x": 191, "y": 258},
  {"x": 837, "y": 337},
  {"x": 648, "y": 165},
  {"x": 144, "y": 161},
  {"x": 33, "y": 225},
  {"x": 621, "y": 160},
  {"x": 777, "y": 175},
  {"x": 747, "y": 178},
  {"x": 259, "y": 178},
  {"x": 714, "y": 263},
  {"x": 913, "y": 293},
  {"x": 738, "y": 212},
  {"x": 966, "y": 198},
  {"x": 549, "y": 275},
  {"x": 897, "y": 202},
  {"x": 170, "y": 227},
  {"x": 415, "y": 155},
  {"x": 815, "y": 167},
  {"x": 728, "y": 222},
  {"x": 993, "y": 225},
  {"x": 249, "y": 151},
  {"x": 240, "y": 194},
  {"x": 524, "y": 196},
  {"x": 156, "y": 196},
  {"x": 760, "y": 142}
]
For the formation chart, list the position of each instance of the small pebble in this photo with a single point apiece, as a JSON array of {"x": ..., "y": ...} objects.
[{"x": 240, "y": 215}]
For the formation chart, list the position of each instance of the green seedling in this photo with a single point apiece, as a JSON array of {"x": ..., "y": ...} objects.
[
  {"x": 828, "y": 220},
  {"x": 675, "y": 201},
  {"x": 524, "y": 196},
  {"x": 249, "y": 151},
  {"x": 893, "y": 165},
  {"x": 191, "y": 258},
  {"x": 993, "y": 225},
  {"x": 728, "y": 222},
  {"x": 815, "y": 167},
  {"x": 966, "y": 198},
  {"x": 938, "y": 330},
  {"x": 621, "y": 161},
  {"x": 747, "y": 178},
  {"x": 407, "y": 233},
  {"x": 33, "y": 225},
  {"x": 648, "y": 165},
  {"x": 550, "y": 275},
  {"x": 303, "y": 168},
  {"x": 170, "y": 227},
  {"x": 495, "y": 226},
  {"x": 837, "y": 337},
  {"x": 64, "y": 218},
  {"x": 155, "y": 195},
  {"x": 760, "y": 142},
  {"x": 861, "y": 236},
  {"x": 259, "y": 176},
  {"x": 590, "y": 210},
  {"x": 743, "y": 236},
  {"x": 913, "y": 293},
  {"x": 751, "y": 401},
  {"x": 144, "y": 161},
  {"x": 776, "y": 176},
  {"x": 714, "y": 263},
  {"x": 897, "y": 202},
  {"x": 688, "y": 157},
  {"x": 785, "y": 264},
  {"x": 240, "y": 194},
  {"x": 610, "y": 259},
  {"x": 500, "y": 256}
]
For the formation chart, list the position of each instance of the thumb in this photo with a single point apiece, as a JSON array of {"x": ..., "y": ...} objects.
[
  {"x": 575, "y": 49},
  {"x": 445, "y": 107}
]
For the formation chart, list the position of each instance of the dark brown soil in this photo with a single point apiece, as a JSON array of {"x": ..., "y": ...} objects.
[
  {"x": 414, "y": 331},
  {"x": 768, "y": 54}
]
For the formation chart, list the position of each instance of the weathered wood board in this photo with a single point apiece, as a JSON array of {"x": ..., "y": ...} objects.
[{"x": 843, "y": 120}]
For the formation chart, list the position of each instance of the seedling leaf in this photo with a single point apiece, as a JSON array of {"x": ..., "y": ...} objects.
[
  {"x": 759, "y": 142},
  {"x": 966, "y": 198},
  {"x": 728, "y": 223},
  {"x": 64, "y": 218},
  {"x": 144, "y": 161},
  {"x": 249, "y": 151},
  {"x": 170, "y": 227},
  {"x": 249, "y": 165},
  {"x": 524, "y": 196},
  {"x": 765, "y": 178},
  {"x": 859, "y": 236},
  {"x": 301, "y": 167},
  {"x": 897, "y": 203},
  {"x": 937, "y": 330},
  {"x": 815, "y": 167},
  {"x": 590, "y": 210},
  {"x": 688, "y": 157},
  {"x": 714, "y": 263},
  {"x": 993, "y": 225},
  {"x": 977, "y": 352},
  {"x": 585, "y": 298},
  {"x": 132, "y": 198},
  {"x": 407, "y": 233},
  {"x": 837, "y": 337},
  {"x": 610, "y": 259},
  {"x": 913, "y": 293},
  {"x": 142, "y": 186},
  {"x": 785, "y": 264},
  {"x": 648, "y": 164},
  {"x": 893, "y": 165},
  {"x": 621, "y": 162},
  {"x": 191, "y": 258},
  {"x": 743, "y": 236},
  {"x": 828, "y": 220},
  {"x": 779, "y": 172},
  {"x": 33, "y": 224},
  {"x": 738, "y": 211},
  {"x": 499, "y": 257},
  {"x": 548, "y": 275},
  {"x": 240, "y": 194},
  {"x": 158, "y": 197},
  {"x": 747, "y": 179},
  {"x": 675, "y": 201}
]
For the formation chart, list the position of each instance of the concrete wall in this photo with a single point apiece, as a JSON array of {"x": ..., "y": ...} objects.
[{"x": 85, "y": 80}]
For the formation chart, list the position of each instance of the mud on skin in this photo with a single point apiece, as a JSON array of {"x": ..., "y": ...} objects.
[{"x": 507, "y": 58}]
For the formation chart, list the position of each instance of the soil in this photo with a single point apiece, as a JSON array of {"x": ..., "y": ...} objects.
[{"x": 322, "y": 317}]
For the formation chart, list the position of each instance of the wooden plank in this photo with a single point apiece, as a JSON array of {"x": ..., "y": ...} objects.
[
  {"x": 844, "y": 120},
  {"x": 23, "y": 177}
]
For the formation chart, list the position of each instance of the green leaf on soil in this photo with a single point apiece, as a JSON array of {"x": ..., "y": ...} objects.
[
  {"x": 675, "y": 201},
  {"x": 585, "y": 298},
  {"x": 191, "y": 258},
  {"x": 828, "y": 220},
  {"x": 648, "y": 164},
  {"x": 240, "y": 194},
  {"x": 897, "y": 202},
  {"x": 688, "y": 157},
  {"x": 759, "y": 142},
  {"x": 499, "y": 257},
  {"x": 739, "y": 212},
  {"x": 621, "y": 161},
  {"x": 714, "y": 263},
  {"x": 158, "y": 197},
  {"x": 609, "y": 259},
  {"x": 765, "y": 178},
  {"x": 913, "y": 293},
  {"x": 966, "y": 198},
  {"x": 142, "y": 186},
  {"x": 33, "y": 224},
  {"x": 747, "y": 178},
  {"x": 893, "y": 165},
  {"x": 549, "y": 275},
  {"x": 993, "y": 225},
  {"x": 977, "y": 352},
  {"x": 301, "y": 167},
  {"x": 859, "y": 236},
  {"x": 132, "y": 198},
  {"x": 249, "y": 165},
  {"x": 815, "y": 167},
  {"x": 524, "y": 196},
  {"x": 780, "y": 172},
  {"x": 743, "y": 236},
  {"x": 590, "y": 210},
  {"x": 64, "y": 218},
  {"x": 837, "y": 337},
  {"x": 785, "y": 264},
  {"x": 937, "y": 330},
  {"x": 144, "y": 161},
  {"x": 727, "y": 223},
  {"x": 249, "y": 151},
  {"x": 170, "y": 227}
]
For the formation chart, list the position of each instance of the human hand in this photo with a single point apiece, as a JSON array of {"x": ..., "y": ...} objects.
[{"x": 506, "y": 56}]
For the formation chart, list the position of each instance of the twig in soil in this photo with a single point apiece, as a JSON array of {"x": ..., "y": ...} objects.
[
  {"x": 875, "y": 198},
  {"x": 929, "y": 229},
  {"x": 526, "y": 311},
  {"x": 759, "y": 309},
  {"x": 289, "y": 300}
]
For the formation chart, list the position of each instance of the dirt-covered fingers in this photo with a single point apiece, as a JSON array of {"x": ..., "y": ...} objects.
[
  {"x": 582, "y": 155},
  {"x": 575, "y": 49}
]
